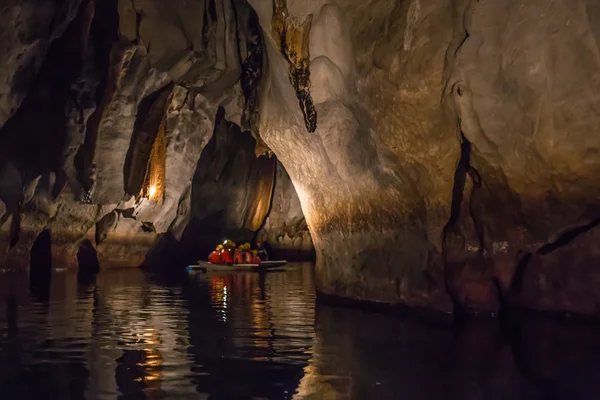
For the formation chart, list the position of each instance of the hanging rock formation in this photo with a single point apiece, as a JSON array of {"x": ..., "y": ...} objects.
[{"x": 292, "y": 40}]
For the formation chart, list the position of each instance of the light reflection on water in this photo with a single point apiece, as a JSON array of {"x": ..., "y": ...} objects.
[
  {"x": 257, "y": 336},
  {"x": 226, "y": 336}
]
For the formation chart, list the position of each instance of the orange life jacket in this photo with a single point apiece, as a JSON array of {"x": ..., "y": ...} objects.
[
  {"x": 237, "y": 257},
  {"x": 256, "y": 260}
]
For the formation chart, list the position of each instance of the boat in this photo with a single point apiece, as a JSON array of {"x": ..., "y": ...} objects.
[{"x": 262, "y": 267}]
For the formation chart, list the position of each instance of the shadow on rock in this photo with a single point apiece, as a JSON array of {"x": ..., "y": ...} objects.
[
  {"x": 87, "y": 259},
  {"x": 40, "y": 266}
]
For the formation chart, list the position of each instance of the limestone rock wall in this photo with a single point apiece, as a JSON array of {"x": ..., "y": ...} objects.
[
  {"x": 374, "y": 180},
  {"x": 28, "y": 29},
  {"x": 87, "y": 85},
  {"x": 453, "y": 157},
  {"x": 522, "y": 82}
]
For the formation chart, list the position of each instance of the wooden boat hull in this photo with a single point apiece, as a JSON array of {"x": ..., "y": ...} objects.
[{"x": 263, "y": 266}]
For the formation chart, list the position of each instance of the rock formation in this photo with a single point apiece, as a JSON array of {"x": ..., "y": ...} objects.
[
  {"x": 28, "y": 30},
  {"x": 453, "y": 156},
  {"x": 117, "y": 101},
  {"x": 443, "y": 152},
  {"x": 284, "y": 231},
  {"x": 374, "y": 180}
]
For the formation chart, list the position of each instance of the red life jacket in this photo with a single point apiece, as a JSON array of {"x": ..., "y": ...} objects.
[
  {"x": 256, "y": 260},
  {"x": 214, "y": 257},
  {"x": 226, "y": 257}
]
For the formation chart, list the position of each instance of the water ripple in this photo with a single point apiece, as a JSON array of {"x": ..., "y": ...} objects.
[{"x": 127, "y": 336}]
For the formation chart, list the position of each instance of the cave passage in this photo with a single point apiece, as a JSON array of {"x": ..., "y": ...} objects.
[{"x": 231, "y": 191}]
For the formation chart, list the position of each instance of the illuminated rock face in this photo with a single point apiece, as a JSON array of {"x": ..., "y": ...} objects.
[
  {"x": 285, "y": 232},
  {"x": 375, "y": 178},
  {"x": 454, "y": 155}
]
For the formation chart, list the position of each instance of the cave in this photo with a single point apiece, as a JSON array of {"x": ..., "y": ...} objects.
[
  {"x": 156, "y": 138},
  {"x": 281, "y": 123},
  {"x": 423, "y": 157}
]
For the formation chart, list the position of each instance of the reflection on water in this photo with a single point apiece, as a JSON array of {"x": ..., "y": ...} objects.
[{"x": 257, "y": 336}]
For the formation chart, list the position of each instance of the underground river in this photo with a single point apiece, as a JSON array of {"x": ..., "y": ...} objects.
[{"x": 260, "y": 336}]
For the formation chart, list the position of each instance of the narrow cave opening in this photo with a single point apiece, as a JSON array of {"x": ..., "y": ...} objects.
[
  {"x": 154, "y": 180},
  {"x": 145, "y": 163},
  {"x": 231, "y": 191},
  {"x": 241, "y": 197},
  {"x": 284, "y": 231}
]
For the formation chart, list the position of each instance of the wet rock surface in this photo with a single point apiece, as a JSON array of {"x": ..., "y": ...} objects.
[{"x": 534, "y": 147}]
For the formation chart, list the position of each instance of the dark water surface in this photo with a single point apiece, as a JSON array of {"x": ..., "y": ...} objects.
[{"x": 257, "y": 336}]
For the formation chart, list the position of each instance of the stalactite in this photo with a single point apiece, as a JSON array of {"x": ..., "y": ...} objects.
[
  {"x": 154, "y": 181},
  {"x": 292, "y": 37},
  {"x": 252, "y": 73}
]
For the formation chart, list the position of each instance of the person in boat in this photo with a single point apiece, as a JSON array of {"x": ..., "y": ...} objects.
[
  {"x": 238, "y": 256},
  {"x": 255, "y": 257},
  {"x": 245, "y": 253},
  {"x": 262, "y": 252},
  {"x": 248, "y": 257},
  {"x": 226, "y": 256},
  {"x": 215, "y": 256}
]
